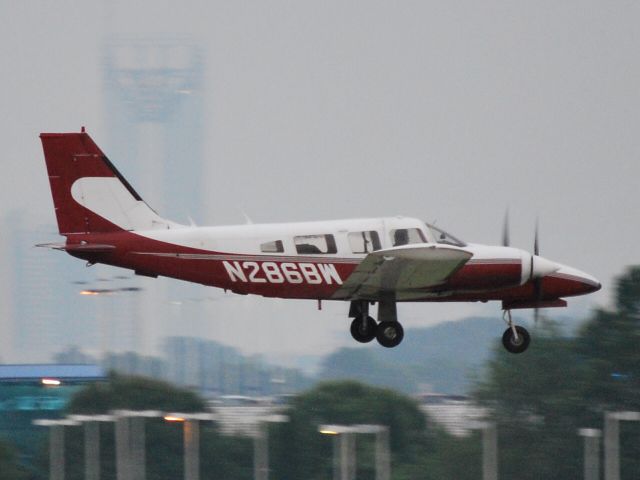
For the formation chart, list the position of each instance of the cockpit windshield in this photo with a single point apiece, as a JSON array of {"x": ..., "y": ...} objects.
[{"x": 443, "y": 237}]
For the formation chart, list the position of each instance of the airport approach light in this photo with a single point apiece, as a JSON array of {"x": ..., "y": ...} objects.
[
  {"x": 591, "y": 452},
  {"x": 51, "y": 382},
  {"x": 612, "y": 441},
  {"x": 345, "y": 449}
]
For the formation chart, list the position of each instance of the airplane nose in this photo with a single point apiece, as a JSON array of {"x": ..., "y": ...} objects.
[{"x": 582, "y": 283}]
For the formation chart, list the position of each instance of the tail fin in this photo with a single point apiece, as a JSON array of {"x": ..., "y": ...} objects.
[{"x": 89, "y": 194}]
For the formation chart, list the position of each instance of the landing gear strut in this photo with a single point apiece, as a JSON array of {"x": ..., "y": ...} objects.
[
  {"x": 389, "y": 333},
  {"x": 515, "y": 338}
]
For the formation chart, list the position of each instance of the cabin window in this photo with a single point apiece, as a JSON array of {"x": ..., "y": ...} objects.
[
  {"x": 405, "y": 236},
  {"x": 364, "y": 242},
  {"x": 310, "y": 244},
  {"x": 272, "y": 247}
]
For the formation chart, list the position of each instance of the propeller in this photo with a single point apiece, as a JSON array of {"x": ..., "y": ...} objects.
[
  {"x": 539, "y": 266},
  {"x": 537, "y": 282}
]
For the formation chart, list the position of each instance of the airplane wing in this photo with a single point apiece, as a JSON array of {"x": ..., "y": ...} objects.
[{"x": 402, "y": 271}]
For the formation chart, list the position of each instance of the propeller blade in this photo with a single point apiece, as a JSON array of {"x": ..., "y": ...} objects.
[
  {"x": 536, "y": 243},
  {"x": 505, "y": 230},
  {"x": 537, "y": 294}
]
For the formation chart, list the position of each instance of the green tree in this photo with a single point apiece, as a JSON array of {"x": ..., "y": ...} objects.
[
  {"x": 10, "y": 468},
  {"x": 134, "y": 393},
  {"x": 533, "y": 399},
  {"x": 300, "y": 451},
  {"x": 540, "y": 398}
]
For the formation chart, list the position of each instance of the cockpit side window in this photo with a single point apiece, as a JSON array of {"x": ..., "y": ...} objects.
[
  {"x": 364, "y": 242},
  {"x": 315, "y": 244},
  {"x": 405, "y": 236}
]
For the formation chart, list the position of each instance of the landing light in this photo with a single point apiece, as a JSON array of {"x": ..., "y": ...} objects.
[
  {"x": 89, "y": 292},
  {"x": 329, "y": 432}
]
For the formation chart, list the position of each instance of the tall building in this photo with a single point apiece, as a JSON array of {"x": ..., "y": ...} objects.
[
  {"x": 154, "y": 106},
  {"x": 44, "y": 311}
]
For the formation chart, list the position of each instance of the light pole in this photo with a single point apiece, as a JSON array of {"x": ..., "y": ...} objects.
[
  {"x": 261, "y": 445},
  {"x": 591, "y": 452},
  {"x": 345, "y": 452},
  {"x": 612, "y": 441},
  {"x": 191, "y": 438},
  {"x": 56, "y": 445},
  {"x": 489, "y": 449},
  {"x": 130, "y": 443},
  {"x": 91, "y": 442}
]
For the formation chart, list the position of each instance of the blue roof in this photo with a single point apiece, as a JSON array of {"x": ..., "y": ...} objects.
[{"x": 12, "y": 373}]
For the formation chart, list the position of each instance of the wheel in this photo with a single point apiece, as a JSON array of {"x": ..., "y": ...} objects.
[
  {"x": 366, "y": 334},
  {"x": 389, "y": 334},
  {"x": 516, "y": 346}
]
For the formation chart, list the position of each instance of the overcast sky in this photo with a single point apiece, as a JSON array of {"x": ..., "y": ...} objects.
[{"x": 449, "y": 111}]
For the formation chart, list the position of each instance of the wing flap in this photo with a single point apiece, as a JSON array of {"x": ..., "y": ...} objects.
[{"x": 402, "y": 270}]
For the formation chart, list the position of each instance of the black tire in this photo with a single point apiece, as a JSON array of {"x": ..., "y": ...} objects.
[
  {"x": 363, "y": 335},
  {"x": 389, "y": 334},
  {"x": 523, "y": 340}
]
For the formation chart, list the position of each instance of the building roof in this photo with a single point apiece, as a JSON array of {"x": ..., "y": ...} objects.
[{"x": 71, "y": 372}]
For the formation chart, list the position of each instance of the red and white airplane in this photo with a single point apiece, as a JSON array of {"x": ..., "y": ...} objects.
[{"x": 362, "y": 261}]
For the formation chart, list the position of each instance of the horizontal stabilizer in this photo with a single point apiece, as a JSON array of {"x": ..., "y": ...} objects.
[{"x": 79, "y": 247}]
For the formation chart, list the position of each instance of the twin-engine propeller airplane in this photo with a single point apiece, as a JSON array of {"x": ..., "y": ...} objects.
[{"x": 362, "y": 261}]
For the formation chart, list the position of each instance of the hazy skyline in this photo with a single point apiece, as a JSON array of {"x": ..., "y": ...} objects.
[{"x": 447, "y": 111}]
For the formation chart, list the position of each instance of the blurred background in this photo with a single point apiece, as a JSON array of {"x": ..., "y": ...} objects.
[{"x": 283, "y": 111}]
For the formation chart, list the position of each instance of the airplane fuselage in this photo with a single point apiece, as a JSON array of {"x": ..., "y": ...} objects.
[{"x": 234, "y": 258}]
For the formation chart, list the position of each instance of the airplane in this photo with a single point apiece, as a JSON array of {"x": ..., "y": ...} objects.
[{"x": 363, "y": 261}]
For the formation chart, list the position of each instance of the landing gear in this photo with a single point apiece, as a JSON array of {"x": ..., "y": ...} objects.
[
  {"x": 515, "y": 344},
  {"x": 515, "y": 338},
  {"x": 388, "y": 332},
  {"x": 363, "y": 331}
]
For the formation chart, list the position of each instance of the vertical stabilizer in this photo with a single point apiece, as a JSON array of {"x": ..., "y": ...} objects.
[{"x": 89, "y": 194}]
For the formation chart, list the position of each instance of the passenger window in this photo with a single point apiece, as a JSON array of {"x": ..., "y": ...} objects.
[
  {"x": 405, "y": 236},
  {"x": 364, "y": 242},
  {"x": 309, "y": 244},
  {"x": 272, "y": 247}
]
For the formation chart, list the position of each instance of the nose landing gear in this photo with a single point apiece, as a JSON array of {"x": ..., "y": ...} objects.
[{"x": 515, "y": 338}]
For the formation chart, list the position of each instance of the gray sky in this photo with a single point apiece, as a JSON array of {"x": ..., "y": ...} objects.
[{"x": 448, "y": 111}]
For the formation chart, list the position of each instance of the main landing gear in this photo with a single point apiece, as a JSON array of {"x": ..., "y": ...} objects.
[
  {"x": 515, "y": 338},
  {"x": 389, "y": 333}
]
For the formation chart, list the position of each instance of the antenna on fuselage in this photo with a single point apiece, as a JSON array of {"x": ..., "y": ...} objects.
[
  {"x": 505, "y": 230},
  {"x": 247, "y": 219}
]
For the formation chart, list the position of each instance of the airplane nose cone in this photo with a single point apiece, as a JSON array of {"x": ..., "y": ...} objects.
[{"x": 582, "y": 283}]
